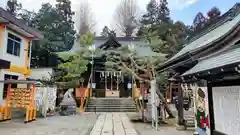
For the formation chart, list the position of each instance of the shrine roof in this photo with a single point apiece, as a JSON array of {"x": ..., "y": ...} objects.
[
  {"x": 227, "y": 23},
  {"x": 141, "y": 47},
  {"x": 226, "y": 58}
]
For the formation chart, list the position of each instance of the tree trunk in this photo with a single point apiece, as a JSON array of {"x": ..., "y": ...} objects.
[{"x": 161, "y": 97}]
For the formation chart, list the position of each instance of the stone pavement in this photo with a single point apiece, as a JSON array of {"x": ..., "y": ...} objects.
[
  {"x": 55, "y": 125},
  {"x": 86, "y": 124},
  {"x": 113, "y": 124},
  {"x": 146, "y": 128}
]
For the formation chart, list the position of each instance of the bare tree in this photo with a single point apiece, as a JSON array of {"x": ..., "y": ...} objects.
[
  {"x": 126, "y": 15},
  {"x": 85, "y": 18}
]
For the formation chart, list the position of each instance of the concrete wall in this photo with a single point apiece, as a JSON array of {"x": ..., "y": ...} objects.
[
  {"x": 15, "y": 60},
  {"x": 41, "y": 73}
]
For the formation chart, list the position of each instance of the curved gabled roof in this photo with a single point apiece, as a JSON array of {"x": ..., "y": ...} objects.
[
  {"x": 226, "y": 58},
  {"x": 231, "y": 21}
]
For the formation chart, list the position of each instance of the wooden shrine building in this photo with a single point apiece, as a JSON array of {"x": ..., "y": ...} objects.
[
  {"x": 208, "y": 69},
  {"x": 109, "y": 83}
]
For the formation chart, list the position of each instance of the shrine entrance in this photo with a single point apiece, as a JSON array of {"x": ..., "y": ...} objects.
[{"x": 110, "y": 82}]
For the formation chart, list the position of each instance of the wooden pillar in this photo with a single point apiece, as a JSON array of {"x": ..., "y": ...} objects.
[
  {"x": 105, "y": 75},
  {"x": 111, "y": 80},
  {"x": 180, "y": 105},
  {"x": 170, "y": 91},
  {"x": 211, "y": 108}
]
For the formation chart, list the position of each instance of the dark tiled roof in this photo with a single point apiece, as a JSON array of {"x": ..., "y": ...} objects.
[
  {"x": 119, "y": 38},
  {"x": 228, "y": 22},
  {"x": 217, "y": 61},
  {"x": 9, "y": 18}
]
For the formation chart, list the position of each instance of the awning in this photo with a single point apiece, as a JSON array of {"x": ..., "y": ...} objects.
[
  {"x": 217, "y": 61},
  {"x": 4, "y": 64}
]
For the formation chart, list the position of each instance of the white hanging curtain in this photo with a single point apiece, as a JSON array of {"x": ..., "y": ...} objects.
[{"x": 102, "y": 74}]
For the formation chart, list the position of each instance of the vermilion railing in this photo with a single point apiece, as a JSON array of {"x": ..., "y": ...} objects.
[{"x": 84, "y": 95}]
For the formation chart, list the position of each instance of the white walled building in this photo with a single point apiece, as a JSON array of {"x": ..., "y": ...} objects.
[
  {"x": 15, "y": 45},
  {"x": 41, "y": 73}
]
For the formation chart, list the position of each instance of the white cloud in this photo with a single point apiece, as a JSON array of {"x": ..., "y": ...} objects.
[{"x": 180, "y": 4}]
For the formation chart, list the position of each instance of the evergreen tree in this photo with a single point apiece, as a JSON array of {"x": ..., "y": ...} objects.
[
  {"x": 199, "y": 21},
  {"x": 157, "y": 22},
  {"x": 163, "y": 12},
  {"x": 105, "y": 31},
  {"x": 150, "y": 17},
  {"x": 65, "y": 24},
  {"x": 213, "y": 13},
  {"x": 13, "y": 6}
]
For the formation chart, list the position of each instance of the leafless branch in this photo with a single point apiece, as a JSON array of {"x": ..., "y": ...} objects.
[
  {"x": 126, "y": 14},
  {"x": 85, "y": 18}
]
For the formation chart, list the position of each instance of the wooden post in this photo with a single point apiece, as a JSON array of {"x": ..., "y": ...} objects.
[
  {"x": 111, "y": 82},
  {"x": 180, "y": 105},
  {"x": 117, "y": 81},
  {"x": 105, "y": 75},
  {"x": 170, "y": 92}
]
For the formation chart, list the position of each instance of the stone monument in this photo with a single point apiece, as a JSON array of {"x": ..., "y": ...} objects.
[{"x": 68, "y": 104}]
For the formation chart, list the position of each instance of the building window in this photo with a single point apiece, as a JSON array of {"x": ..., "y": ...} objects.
[
  {"x": 13, "y": 45},
  {"x": 7, "y": 77}
]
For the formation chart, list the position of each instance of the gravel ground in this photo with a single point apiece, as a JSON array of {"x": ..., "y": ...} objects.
[
  {"x": 55, "y": 125},
  {"x": 146, "y": 128}
]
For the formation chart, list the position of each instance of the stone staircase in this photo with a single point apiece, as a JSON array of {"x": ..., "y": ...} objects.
[{"x": 111, "y": 105}]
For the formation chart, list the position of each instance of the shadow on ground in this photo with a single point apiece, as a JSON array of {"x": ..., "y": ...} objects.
[
  {"x": 55, "y": 125},
  {"x": 168, "y": 128}
]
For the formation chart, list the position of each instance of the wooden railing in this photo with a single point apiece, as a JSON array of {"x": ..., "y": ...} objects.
[
  {"x": 84, "y": 97},
  {"x": 136, "y": 94}
]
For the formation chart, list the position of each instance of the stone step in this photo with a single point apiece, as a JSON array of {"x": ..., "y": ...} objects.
[
  {"x": 106, "y": 104},
  {"x": 111, "y": 110},
  {"x": 112, "y": 105}
]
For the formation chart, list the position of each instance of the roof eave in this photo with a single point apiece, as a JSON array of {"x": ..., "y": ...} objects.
[{"x": 166, "y": 65}]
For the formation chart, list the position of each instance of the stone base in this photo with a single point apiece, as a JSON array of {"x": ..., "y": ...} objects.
[
  {"x": 195, "y": 133},
  {"x": 68, "y": 110},
  {"x": 112, "y": 93},
  {"x": 180, "y": 127}
]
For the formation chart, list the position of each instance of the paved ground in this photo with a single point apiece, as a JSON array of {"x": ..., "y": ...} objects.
[
  {"x": 56, "y": 125},
  {"x": 163, "y": 129},
  {"x": 87, "y": 124},
  {"x": 113, "y": 124}
]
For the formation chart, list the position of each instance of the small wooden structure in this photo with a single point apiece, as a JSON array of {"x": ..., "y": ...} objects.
[{"x": 19, "y": 98}]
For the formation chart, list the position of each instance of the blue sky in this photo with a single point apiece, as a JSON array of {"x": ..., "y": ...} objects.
[
  {"x": 183, "y": 10},
  {"x": 188, "y": 13}
]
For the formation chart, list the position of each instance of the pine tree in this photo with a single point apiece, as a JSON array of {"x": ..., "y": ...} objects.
[
  {"x": 199, "y": 21},
  {"x": 213, "y": 13},
  {"x": 13, "y": 6},
  {"x": 150, "y": 17},
  {"x": 65, "y": 24},
  {"x": 163, "y": 12},
  {"x": 105, "y": 31}
]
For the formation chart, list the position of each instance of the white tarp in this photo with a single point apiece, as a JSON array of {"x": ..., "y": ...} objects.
[
  {"x": 45, "y": 99},
  {"x": 154, "y": 103},
  {"x": 226, "y": 104}
]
